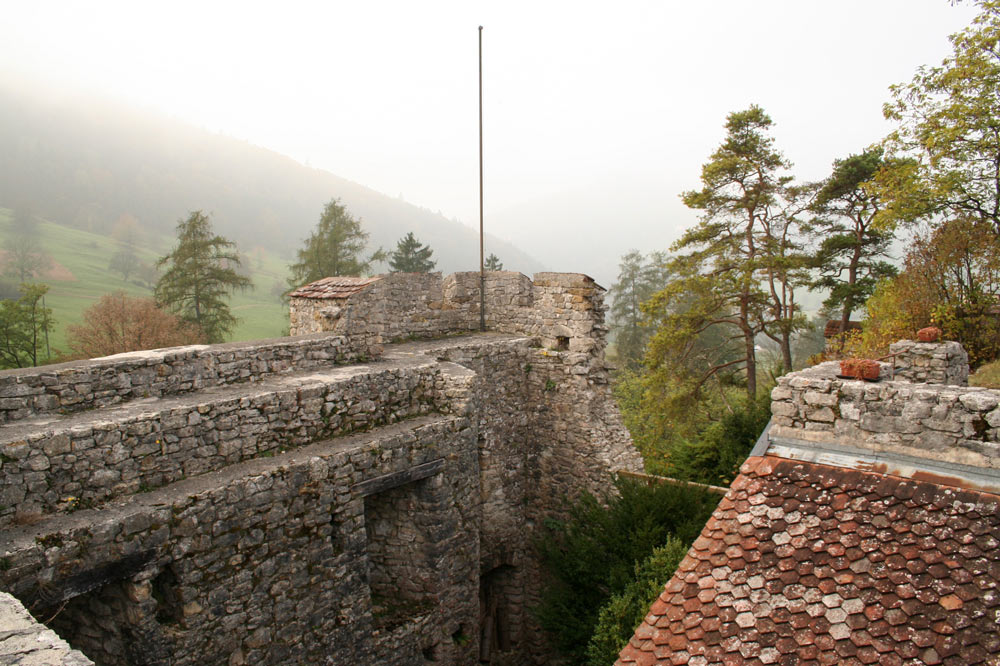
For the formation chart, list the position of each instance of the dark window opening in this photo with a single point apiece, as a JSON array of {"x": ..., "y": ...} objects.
[
  {"x": 430, "y": 653},
  {"x": 109, "y": 628},
  {"x": 460, "y": 636},
  {"x": 169, "y": 609},
  {"x": 336, "y": 538},
  {"x": 496, "y": 587},
  {"x": 562, "y": 343}
]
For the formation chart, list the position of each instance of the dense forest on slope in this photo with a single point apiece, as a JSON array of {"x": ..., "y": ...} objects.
[{"x": 84, "y": 163}]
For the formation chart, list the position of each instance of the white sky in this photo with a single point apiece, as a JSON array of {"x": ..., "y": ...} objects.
[{"x": 602, "y": 110}]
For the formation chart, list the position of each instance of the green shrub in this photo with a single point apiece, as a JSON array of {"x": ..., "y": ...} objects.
[
  {"x": 618, "y": 618},
  {"x": 592, "y": 554},
  {"x": 715, "y": 456}
]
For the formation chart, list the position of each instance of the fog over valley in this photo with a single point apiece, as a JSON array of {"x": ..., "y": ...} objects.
[{"x": 595, "y": 119}]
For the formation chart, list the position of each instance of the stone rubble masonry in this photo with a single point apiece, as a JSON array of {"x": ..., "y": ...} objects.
[
  {"x": 398, "y": 306},
  {"x": 930, "y": 419},
  {"x": 82, "y": 385},
  {"x": 931, "y": 362},
  {"x": 339, "y": 498},
  {"x": 24, "y": 642},
  {"x": 152, "y": 442}
]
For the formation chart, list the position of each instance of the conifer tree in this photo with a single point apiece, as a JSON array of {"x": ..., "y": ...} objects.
[
  {"x": 638, "y": 278},
  {"x": 200, "y": 275},
  {"x": 718, "y": 283},
  {"x": 411, "y": 257},
  {"x": 493, "y": 263},
  {"x": 848, "y": 255},
  {"x": 334, "y": 248}
]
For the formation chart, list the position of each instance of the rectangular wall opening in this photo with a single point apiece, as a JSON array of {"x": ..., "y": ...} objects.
[
  {"x": 402, "y": 525},
  {"x": 98, "y": 624},
  {"x": 495, "y": 613}
]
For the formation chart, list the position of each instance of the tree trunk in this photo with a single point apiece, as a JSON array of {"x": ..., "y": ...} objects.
[
  {"x": 749, "y": 347},
  {"x": 786, "y": 350}
]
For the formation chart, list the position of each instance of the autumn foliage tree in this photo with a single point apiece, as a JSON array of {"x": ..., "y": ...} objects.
[
  {"x": 945, "y": 172},
  {"x": 949, "y": 132},
  {"x": 120, "y": 323}
]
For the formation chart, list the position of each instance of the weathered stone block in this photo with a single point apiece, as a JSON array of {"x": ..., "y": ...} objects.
[{"x": 979, "y": 401}]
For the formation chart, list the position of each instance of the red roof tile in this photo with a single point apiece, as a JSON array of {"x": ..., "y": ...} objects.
[
  {"x": 812, "y": 564},
  {"x": 333, "y": 287},
  {"x": 833, "y": 326}
]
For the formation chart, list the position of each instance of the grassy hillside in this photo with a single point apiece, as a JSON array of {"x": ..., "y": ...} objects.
[{"x": 80, "y": 276}]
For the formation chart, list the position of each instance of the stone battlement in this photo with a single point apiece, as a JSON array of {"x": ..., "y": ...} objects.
[
  {"x": 930, "y": 362},
  {"x": 82, "y": 385},
  {"x": 561, "y": 309}
]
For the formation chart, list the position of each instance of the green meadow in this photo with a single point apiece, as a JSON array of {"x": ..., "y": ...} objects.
[{"x": 80, "y": 275}]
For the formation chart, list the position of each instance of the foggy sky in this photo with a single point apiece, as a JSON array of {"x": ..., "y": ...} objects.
[{"x": 596, "y": 114}]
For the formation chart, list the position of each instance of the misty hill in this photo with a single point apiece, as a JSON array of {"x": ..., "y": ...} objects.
[{"x": 84, "y": 163}]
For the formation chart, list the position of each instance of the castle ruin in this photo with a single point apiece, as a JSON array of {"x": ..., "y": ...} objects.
[{"x": 365, "y": 491}]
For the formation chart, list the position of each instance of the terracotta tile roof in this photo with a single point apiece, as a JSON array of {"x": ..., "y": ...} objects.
[
  {"x": 833, "y": 327},
  {"x": 333, "y": 287},
  {"x": 804, "y": 563}
]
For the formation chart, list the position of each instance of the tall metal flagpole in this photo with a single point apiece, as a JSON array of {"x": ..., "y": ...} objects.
[{"x": 482, "y": 268}]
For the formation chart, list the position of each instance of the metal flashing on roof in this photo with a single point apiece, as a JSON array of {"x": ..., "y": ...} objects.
[{"x": 894, "y": 464}]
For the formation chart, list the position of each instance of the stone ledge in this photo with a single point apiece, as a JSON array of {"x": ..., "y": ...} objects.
[
  {"x": 82, "y": 385},
  {"x": 25, "y": 642},
  {"x": 68, "y": 462}
]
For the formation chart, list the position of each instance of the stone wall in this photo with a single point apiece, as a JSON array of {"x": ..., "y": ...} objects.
[
  {"x": 149, "y": 443},
  {"x": 302, "y": 512},
  {"x": 559, "y": 308},
  {"x": 930, "y": 362},
  {"x": 956, "y": 424},
  {"x": 77, "y": 386},
  {"x": 252, "y": 565}
]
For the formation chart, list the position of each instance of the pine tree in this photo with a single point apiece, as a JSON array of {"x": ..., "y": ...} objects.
[
  {"x": 411, "y": 257},
  {"x": 201, "y": 274},
  {"x": 493, "y": 263},
  {"x": 848, "y": 256},
  {"x": 739, "y": 246},
  {"x": 334, "y": 248}
]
